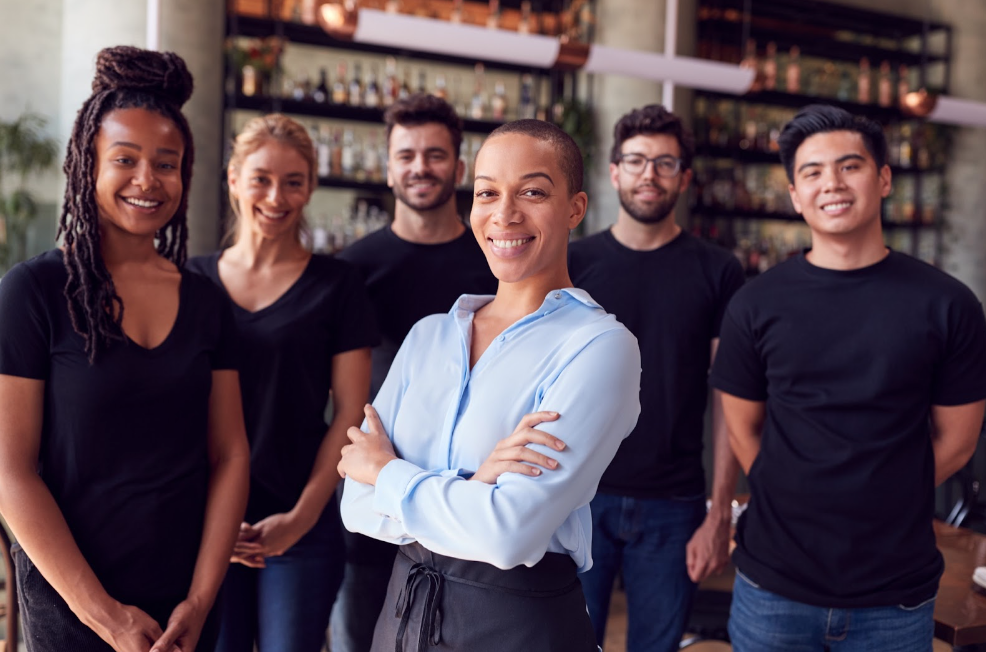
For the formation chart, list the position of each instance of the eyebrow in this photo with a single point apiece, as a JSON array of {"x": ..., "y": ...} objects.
[
  {"x": 160, "y": 150},
  {"x": 529, "y": 175},
  {"x": 289, "y": 174},
  {"x": 841, "y": 159},
  {"x": 428, "y": 150}
]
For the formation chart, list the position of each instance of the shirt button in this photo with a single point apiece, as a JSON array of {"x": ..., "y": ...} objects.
[
  {"x": 501, "y": 338},
  {"x": 558, "y": 295}
]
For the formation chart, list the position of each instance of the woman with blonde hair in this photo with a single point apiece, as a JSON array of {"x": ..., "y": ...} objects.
[{"x": 305, "y": 329}]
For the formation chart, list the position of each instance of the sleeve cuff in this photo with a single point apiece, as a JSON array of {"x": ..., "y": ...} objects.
[{"x": 391, "y": 487}]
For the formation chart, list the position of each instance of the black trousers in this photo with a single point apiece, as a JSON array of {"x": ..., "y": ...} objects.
[
  {"x": 440, "y": 604},
  {"x": 50, "y": 626}
]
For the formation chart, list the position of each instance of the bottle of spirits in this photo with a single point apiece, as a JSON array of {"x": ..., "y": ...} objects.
[
  {"x": 422, "y": 81},
  {"x": 336, "y": 154},
  {"x": 493, "y": 18},
  {"x": 441, "y": 89},
  {"x": 340, "y": 89},
  {"x": 885, "y": 91},
  {"x": 770, "y": 67},
  {"x": 348, "y": 158},
  {"x": 477, "y": 107},
  {"x": 864, "y": 85},
  {"x": 356, "y": 86},
  {"x": 390, "y": 84},
  {"x": 751, "y": 62},
  {"x": 372, "y": 97},
  {"x": 371, "y": 161},
  {"x": 903, "y": 82},
  {"x": 321, "y": 93},
  {"x": 526, "y": 109},
  {"x": 405, "y": 90},
  {"x": 844, "y": 91},
  {"x": 498, "y": 105},
  {"x": 906, "y": 157},
  {"x": 793, "y": 76},
  {"x": 323, "y": 148}
]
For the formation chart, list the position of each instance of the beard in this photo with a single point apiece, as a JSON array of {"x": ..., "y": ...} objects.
[
  {"x": 445, "y": 191},
  {"x": 651, "y": 213}
]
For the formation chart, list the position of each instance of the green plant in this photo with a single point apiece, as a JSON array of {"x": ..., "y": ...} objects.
[{"x": 24, "y": 150}]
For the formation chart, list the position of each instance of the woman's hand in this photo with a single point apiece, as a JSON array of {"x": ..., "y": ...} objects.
[
  {"x": 512, "y": 455},
  {"x": 130, "y": 630},
  {"x": 247, "y": 550},
  {"x": 278, "y": 532},
  {"x": 184, "y": 628},
  {"x": 368, "y": 453}
]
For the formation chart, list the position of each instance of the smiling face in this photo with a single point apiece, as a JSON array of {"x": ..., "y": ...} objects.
[
  {"x": 522, "y": 212},
  {"x": 837, "y": 187},
  {"x": 422, "y": 166},
  {"x": 138, "y": 171},
  {"x": 272, "y": 187},
  {"x": 647, "y": 197}
]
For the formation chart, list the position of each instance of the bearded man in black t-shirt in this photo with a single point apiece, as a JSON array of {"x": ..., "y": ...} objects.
[
  {"x": 419, "y": 265},
  {"x": 853, "y": 380},
  {"x": 670, "y": 289}
]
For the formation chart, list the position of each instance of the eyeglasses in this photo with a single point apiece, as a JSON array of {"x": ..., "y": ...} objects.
[{"x": 664, "y": 166}]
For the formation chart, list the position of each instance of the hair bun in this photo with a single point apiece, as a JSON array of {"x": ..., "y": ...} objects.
[{"x": 161, "y": 73}]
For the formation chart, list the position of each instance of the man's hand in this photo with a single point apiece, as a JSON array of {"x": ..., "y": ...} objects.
[{"x": 707, "y": 552}]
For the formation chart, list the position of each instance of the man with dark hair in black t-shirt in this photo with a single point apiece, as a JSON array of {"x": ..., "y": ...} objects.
[
  {"x": 417, "y": 266},
  {"x": 670, "y": 289},
  {"x": 853, "y": 380}
]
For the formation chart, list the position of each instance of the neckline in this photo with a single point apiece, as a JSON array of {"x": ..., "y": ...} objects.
[
  {"x": 269, "y": 307},
  {"x": 670, "y": 244},
  {"x": 815, "y": 270},
  {"x": 182, "y": 296}
]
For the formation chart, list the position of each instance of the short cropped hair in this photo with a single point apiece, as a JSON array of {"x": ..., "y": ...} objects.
[
  {"x": 822, "y": 118},
  {"x": 648, "y": 120},
  {"x": 569, "y": 154},
  {"x": 423, "y": 108}
]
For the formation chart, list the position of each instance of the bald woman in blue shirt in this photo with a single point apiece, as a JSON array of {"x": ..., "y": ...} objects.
[{"x": 493, "y": 531}]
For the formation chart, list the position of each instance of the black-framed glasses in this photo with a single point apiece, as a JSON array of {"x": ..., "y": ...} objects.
[{"x": 665, "y": 166}]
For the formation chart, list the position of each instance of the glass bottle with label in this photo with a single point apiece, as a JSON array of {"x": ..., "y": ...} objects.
[
  {"x": 372, "y": 96},
  {"x": 356, "y": 86},
  {"x": 340, "y": 89}
]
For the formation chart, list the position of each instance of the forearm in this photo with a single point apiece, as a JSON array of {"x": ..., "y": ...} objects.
[
  {"x": 724, "y": 464},
  {"x": 949, "y": 458},
  {"x": 954, "y": 435},
  {"x": 324, "y": 478},
  {"x": 225, "y": 506},
  {"x": 39, "y": 526}
]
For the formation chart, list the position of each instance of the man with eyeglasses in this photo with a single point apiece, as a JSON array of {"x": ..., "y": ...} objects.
[{"x": 670, "y": 289}]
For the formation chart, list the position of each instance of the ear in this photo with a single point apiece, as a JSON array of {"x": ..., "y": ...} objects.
[
  {"x": 794, "y": 199},
  {"x": 614, "y": 175},
  {"x": 460, "y": 172},
  {"x": 231, "y": 176},
  {"x": 580, "y": 202},
  {"x": 684, "y": 180},
  {"x": 886, "y": 181}
]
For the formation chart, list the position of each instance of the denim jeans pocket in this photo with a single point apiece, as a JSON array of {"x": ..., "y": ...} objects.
[
  {"x": 746, "y": 579},
  {"x": 929, "y": 601}
]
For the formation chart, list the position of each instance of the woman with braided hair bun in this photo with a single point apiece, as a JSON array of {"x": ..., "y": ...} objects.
[{"x": 123, "y": 456}]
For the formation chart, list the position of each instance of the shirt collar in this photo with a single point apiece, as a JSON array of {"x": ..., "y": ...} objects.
[{"x": 470, "y": 303}]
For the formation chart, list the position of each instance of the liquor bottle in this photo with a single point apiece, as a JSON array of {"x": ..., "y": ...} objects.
[
  {"x": 751, "y": 62},
  {"x": 885, "y": 90},
  {"x": 498, "y": 105},
  {"x": 524, "y": 26},
  {"x": 298, "y": 91},
  {"x": 864, "y": 85},
  {"x": 405, "y": 90},
  {"x": 356, "y": 86},
  {"x": 526, "y": 109},
  {"x": 371, "y": 161},
  {"x": 903, "y": 82},
  {"x": 348, "y": 159},
  {"x": 477, "y": 107},
  {"x": 249, "y": 84},
  {"x": 372, "y": 97},
  {"x": 456, "y": 15},
  {"x": 906, "y": 156},
  {"x": 422, "y": 81},
  {"x": 770, "y": 67},
  {"x": 441, "y": 90},
  {"x": 493, "y": 18},
  {"x": 793, "y": 76},
  {"x": 321, "y": 93},
  {"x": 324, "y": 150},
  {"x": 336, "y": 154},
  {"x": 844, "y": 92},
  {"x": 340, "y": 89},
  {"x": 390, "y": 85}
]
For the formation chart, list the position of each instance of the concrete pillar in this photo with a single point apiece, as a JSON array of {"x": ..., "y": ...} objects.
[
  {"x": 191, "y": 28},
  {"x": 632, "y": 25}
]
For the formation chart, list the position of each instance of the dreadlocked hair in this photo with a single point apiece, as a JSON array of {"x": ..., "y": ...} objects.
[{"x": 126, "y": 78}]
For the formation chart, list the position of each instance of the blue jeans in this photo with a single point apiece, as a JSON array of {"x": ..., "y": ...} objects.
[
  {"x": 646, "y": 539},
  {"x": 761, "y": 621},
  {"x": 286, "y": 605}
]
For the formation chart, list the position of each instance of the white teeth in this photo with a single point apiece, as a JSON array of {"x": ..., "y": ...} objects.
[
  {"x": 507, "y": 244},
  {"x": 272, "y": 216},
  {"x": 141, "y": 203},
  {"x": 836, "y": 207}
]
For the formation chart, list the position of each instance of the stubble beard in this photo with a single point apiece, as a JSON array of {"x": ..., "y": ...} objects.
[
  {"x": 446, "y": 191},
  {"x": 655, "y": 215}
]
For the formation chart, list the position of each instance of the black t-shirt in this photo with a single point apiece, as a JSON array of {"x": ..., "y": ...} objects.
[
  {"x": 672, "y": 299},
  {"x": 124, "y": 441},
  {"x": 286, "y": 372},
  {"x": 407, "y": 281},
  {"x": 849, "y": 364}
]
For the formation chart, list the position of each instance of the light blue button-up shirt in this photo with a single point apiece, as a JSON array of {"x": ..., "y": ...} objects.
[{"x": 444, "y": 418}]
